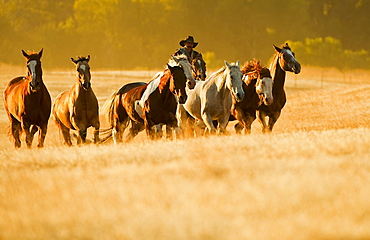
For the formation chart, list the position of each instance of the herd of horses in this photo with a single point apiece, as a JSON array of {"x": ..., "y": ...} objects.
[{"x": 172, "y": 98}]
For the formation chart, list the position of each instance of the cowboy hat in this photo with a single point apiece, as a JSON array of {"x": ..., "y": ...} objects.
[{"x": 189, "y": 39}]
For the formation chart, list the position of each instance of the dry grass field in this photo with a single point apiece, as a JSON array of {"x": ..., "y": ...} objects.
[{"x": 309, "y": 179}]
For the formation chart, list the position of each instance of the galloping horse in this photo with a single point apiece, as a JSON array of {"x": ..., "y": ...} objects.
[
  {"x": 78, "y": 108},
  {"x": 158, "y": 108},
  {"x": 118, "y": 118},
  {"x": 212, "y": 99},
  {"x": 257, "y": 86},
  {"x": 284, "y": 61},
  {"x": 28, "y": 103}
]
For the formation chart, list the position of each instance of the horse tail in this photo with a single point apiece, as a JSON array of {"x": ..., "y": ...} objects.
[{"x": 109, "y": 107}]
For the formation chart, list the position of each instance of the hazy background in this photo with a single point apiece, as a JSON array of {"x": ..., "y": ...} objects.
[{"x": 142, "y": 34}]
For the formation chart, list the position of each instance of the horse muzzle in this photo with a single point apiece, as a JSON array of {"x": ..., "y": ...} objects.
[
  {"x": 239, "y": 96},
  {"x": 86, "y": 85},
  {"x": 34, "y": 87},
  {"x": 182, "y": 99},
  {"x": 267, "y": 100}
]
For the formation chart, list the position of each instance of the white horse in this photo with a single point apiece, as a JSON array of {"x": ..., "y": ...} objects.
[{"x": 211, "y": 100}]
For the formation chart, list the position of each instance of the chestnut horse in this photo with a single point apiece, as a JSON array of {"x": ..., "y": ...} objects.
[
  {"x": 283, "y": 61},
  {"x": 257, "y": 86},
  {"x": 78, "y": 108},
  {"x": 28, "y": 103},
  {"x": 159, "y": 107}
]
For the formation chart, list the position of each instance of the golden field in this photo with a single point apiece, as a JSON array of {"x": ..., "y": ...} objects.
[{"x": 309, "y": 179}]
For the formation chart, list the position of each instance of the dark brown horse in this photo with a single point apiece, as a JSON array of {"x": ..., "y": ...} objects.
[
  {"x": 78, "y": 108},
  {"x": 28, "y": 103},
  {"x": 199, "y": 69},
  {"x": 147, "y": 111},
  {"x": 284, "y": 61},
  {"x": 257, "y": 86}
]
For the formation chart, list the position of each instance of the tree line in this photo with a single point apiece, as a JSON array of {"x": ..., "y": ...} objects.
[{"x": 142, "y": 34}]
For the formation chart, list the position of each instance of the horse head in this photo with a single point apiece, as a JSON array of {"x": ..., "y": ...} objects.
[
  {"x": 34, "y": 69},
  {"x": 287, "y": 59},
  {"x": 83, "y": 71},
  {"x": 234, "y": 80},
  {"x": 183, "y": 62},
  {"x": 264, "y": 86},
  {"x": 178, "y": 83},
  {"x": 199, "y": 68}
]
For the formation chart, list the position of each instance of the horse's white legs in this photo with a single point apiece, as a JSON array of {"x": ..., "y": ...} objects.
[{"x": 207, "y": 119}]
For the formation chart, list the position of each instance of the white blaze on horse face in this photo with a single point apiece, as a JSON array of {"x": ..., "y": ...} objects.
[
  {"x": 83, "y": 67},
  {"x": 32, "y": 65},
  {"x": 264, "y": 89},
  {"x": 235, "y": 84}
]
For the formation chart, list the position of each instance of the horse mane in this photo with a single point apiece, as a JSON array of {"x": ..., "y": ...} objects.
[
  {"x": 254, "y": 69},
  {"x": 164, "y": 79},
  {"x": 173, "y": 63},
  {"x": 33, "y": 56}
]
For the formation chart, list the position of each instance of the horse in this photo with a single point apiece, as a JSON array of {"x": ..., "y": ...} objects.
[
  {"x": 199, "y": 69},
  {"x": 257, "y": 85},
  {"x": 78, "y": 108},
  {"x": 117, "y": 116},
  {"x": 28, "y": 103},
  {"x": 283, "y": 61},
  {"x": 158, "y": 108},
  {"x": 212, "y": 99}
]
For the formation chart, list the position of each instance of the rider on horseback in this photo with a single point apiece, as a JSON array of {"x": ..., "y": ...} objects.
[{"x": 194, "y": 57}]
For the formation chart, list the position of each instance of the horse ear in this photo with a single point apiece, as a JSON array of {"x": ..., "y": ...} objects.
[
  {"x": 88, "y": 57},
  {"x": 25, "y": 54},
  {"x": 277, "y": 48},
  {"x": 227, "y": 64},
  {"x": 74, "y": 60},
  {"x": 175, "y": 58},
  {"x": 40, "y": 53},
  {"x": 237, "y": 63}
]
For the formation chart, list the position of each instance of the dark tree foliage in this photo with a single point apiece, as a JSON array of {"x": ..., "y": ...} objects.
[{"x": 129, "y": 34}]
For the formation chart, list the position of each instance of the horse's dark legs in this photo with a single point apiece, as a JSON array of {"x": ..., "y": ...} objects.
[
  {"x": 82, "y": 136},
  {"x": 272, "y": 120},
  {"x": 261, "y": 118},
  {"x": 134, "y": 130},
  {"x": 96, "y": 133},
  {"x": 238, "y": 128},
  {"x": 16, "y": 131},
  {"x": 29, "y": 133}
]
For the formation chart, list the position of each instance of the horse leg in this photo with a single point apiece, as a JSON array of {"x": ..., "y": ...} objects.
[
  {"x": 207, "y": 119},
  {"x": 272, "y": 120},
  {"x": 248, "y": 123},
  {"x": 29, "y": 135},
  {"x": 136, "y": 127},
  {"x": 222, "y": 124},
  {"x": 82, "y": 133},
  {"x": 261, "y": 118},
  {"x": 96, "y": 133},
  {"x": 42, "y": 134},
  {"x": 240, "y": 116},
  {"x": 16, "y": 131}
]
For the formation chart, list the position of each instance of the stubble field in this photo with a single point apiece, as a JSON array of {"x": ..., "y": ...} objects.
[{"x": 309, "y": 179}]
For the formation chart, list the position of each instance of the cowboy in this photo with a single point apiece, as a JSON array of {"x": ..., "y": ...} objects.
[{"x": 188, "y": 45}]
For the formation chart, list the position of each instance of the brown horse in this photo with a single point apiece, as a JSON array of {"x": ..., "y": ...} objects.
[
  {"x": 257, "y": 86},
  {"x": 118, "y": 118},
  {"x": 284, "y": 61},
  {"x": 158, "y": 108},
  {"x": 78, "y": 108},
  {"x": 28, "y": 103},
  {"x": 199, "y": 69}
]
